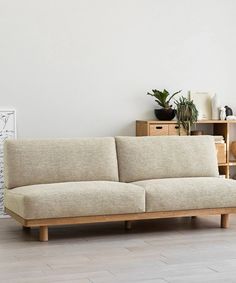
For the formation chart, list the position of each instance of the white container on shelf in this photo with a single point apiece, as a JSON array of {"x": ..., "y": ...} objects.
[{"x": 215, "y": 105}]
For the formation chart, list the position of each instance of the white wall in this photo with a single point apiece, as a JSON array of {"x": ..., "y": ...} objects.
[{"x": 82, "y": 67}]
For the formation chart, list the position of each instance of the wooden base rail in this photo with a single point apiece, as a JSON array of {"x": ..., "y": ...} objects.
[{"x": 44, "y": 223}]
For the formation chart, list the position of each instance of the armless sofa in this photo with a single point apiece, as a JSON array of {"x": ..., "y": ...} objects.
[{"x": 86, "y": 180}]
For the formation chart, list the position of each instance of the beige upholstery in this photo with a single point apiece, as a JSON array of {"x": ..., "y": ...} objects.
[
  {"x": 142, "y": 158},
  {"x": 79, "y": 177},
  {"x": 29, "y": 162},
  {"x": 75, "y": 199},
  {"x": 188, "y": 193}
]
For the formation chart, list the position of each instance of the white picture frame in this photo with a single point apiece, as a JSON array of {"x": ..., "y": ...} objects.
[
  {"x": 202, "y": 100},
  {"x": 7, "y": 131}
]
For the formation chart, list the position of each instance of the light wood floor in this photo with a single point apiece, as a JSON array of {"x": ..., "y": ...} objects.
[{"x": 166, "y": 250}]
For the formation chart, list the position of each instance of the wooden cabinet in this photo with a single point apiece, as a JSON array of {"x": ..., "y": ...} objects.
[
  {"x": 158, "y": 130},
  {"x": 176, "y": 130},
  {"x": 209, "y": 127}
]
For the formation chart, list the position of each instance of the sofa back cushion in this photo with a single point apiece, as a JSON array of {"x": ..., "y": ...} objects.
[
  {"x": 29, "y": 162},
  {"x": 142, "y": 158}
]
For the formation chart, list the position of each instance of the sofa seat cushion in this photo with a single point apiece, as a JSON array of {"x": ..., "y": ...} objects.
[
  {"x": 73, "y": 199},
  {"x": 188, "y": 193}
]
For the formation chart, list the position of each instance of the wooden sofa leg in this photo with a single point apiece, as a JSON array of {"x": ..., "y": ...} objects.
[
  {"x": 224, "y": 221},
  {"x": 43, "y": 233},
  {"x": 128, "y": 225}
]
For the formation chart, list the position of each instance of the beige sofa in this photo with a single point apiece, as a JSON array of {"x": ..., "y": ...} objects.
[{"x": 72, "y": 181}]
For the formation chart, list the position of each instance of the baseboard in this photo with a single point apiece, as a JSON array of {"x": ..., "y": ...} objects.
[{"x": 5, "y": 216}]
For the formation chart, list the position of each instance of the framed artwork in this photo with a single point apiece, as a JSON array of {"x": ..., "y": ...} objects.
[
  {"x": 7, "y": 131},
  {"x": 202, "y": 100}
]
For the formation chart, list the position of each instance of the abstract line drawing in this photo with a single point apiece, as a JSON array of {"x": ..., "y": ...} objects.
[{"x": 7, "y": 131}]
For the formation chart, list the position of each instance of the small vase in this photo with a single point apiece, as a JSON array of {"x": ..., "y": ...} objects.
[
  {"x": 222, "y": 113},
  {"x": 215, "y": 105}
]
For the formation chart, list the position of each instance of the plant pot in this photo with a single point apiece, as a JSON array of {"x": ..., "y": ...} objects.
[
  {"x": 196, "y": 133},
  {"x": 165, "y": 114}
]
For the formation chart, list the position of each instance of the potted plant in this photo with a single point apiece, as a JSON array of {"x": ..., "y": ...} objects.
[
  {"x": 186, "y": 113},
  {"x": 163, "y": 98}
]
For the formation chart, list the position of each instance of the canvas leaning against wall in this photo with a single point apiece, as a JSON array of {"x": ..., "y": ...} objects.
[
  {"x": 202, "y": 100},
  {"x": 7, "y": 131}
]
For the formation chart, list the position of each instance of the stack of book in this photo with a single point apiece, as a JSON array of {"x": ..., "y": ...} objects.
[{"x": 219, "y": 139}]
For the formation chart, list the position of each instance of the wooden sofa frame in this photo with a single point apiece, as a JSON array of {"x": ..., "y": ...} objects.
[{"x": 44, "y": 223}]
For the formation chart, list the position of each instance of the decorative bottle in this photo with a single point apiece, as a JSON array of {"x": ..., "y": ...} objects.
[{"x": 222, "y": 113}]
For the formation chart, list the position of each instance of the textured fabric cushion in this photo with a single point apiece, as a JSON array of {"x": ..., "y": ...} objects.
[
  {"x": 75, "y": 199},
  {"x": 188, "y": 193},
  {"x": 143, "y": 158},
  {"x": 29, "y": 162}
]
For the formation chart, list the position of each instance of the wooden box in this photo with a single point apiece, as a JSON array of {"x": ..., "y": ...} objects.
[{"x": 221, "y": 152}]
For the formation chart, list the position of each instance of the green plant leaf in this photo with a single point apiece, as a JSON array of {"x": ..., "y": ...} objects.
[
  {"x": 163, "y": 98},
  {"x": 173, "y": 95},
  {"x": 187, "y": 113}
]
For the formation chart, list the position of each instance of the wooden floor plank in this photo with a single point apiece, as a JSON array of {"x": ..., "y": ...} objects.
[{"x": 164, "y": 250}]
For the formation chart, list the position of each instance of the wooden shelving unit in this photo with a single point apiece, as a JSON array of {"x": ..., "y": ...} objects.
[{"x": 209, "y": 127}]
